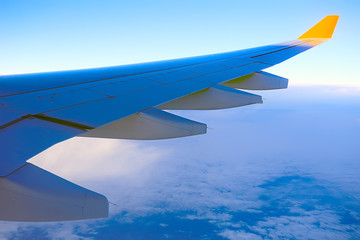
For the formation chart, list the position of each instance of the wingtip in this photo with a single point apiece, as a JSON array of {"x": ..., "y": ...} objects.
[{"x": 323, "y": 29}]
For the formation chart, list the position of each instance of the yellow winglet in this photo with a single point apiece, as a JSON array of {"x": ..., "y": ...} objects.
[{"x": 323, "y": 29}]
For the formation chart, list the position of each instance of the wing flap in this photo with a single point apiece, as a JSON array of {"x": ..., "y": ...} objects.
[
  {"x": 258, "y": 81},
  {"x": 32, "y": 194},
  {"x": 216, "y": 97},
  {"x": 149, "y": 125}
]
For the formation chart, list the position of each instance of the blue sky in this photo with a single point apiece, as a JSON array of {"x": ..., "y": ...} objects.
[
  {"x": 52, "y": 35},
  {"x": 287, "y": 168}
]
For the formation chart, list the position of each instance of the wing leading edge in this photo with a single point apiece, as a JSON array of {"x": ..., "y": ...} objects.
[{"x": 128, "y": 102}]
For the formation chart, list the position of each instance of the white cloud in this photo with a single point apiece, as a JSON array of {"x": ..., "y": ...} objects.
[
  {"x": 323, "y": 224},
  {"x": 237, "y": 235},
  {"x": 68, "y": 231},
  {"x": 223, "y": 170},
  {"x": 87, "y": 159},
  {"x": 64, "y": 230},
  {"x": 7, "y": 229}
]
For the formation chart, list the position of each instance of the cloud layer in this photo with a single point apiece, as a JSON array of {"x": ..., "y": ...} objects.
[{"x": 287, "y": 168}]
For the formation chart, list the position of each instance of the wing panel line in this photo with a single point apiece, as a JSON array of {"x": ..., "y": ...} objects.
[
  {"x": 245, "y": 55},
  {"x": 48, "y": 119}
]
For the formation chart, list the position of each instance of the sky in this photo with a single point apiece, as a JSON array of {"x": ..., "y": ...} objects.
[{"x": 288, "y": 168}]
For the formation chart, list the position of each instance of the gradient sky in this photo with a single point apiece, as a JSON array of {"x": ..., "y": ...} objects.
[
  {"x": 288, "y": 168},
  {"x": 54, "y": 35}
]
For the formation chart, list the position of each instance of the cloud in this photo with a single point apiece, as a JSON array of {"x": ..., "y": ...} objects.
[
  {"x": 236, "y": 235},
  {"x": 318, "y": 224},
  {"x": 233, "y": 177},
  {"x": 6, "y": 229},
  {"x": 67, "y": 230},
  {"x": 94, "y": 158}
]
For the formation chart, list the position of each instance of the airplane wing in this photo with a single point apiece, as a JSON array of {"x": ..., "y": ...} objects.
[{"x": 122, "y": 102}]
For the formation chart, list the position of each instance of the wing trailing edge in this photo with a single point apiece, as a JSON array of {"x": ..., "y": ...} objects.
[
  {"x": 31, "y": 194},
  {"x": 216, "y": 97},
  {"x": 258, "y": 81},
  {"x": 150, "y": 124}
]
